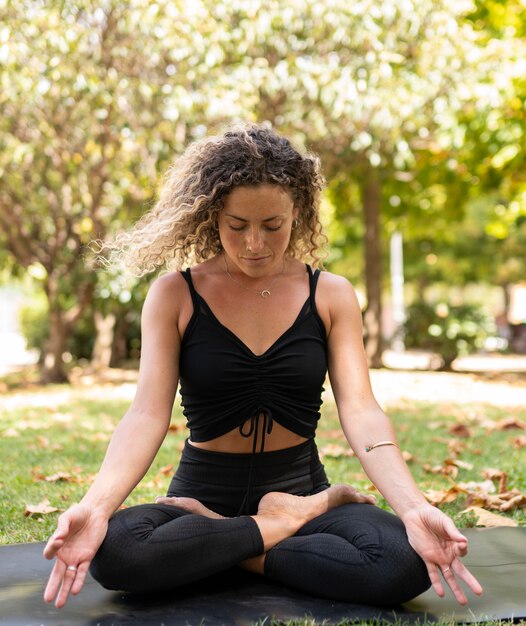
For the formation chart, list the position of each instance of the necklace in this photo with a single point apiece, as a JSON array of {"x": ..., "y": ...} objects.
[{"x": 264, "y": 293}]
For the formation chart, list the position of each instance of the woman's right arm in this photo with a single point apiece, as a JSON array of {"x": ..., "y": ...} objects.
[{"x": 133, "y": 446}]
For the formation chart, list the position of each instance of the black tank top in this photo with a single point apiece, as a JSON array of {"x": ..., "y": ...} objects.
[{"x": 224, "y": 384}]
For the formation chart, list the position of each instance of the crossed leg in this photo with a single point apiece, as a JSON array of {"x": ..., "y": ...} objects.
[{"x": 153, "y": 547}]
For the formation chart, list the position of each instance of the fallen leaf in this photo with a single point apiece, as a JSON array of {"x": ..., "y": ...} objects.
[
  {"x": 499, "y": 502},
  {"x": 455, "y": 447},
  {"x": 497, "y": 475},
  {"x": 335, "y": 451},
  {"x": 37, "y": 474},
  {"x": 167, "y": 470},
  {"x": 11, "y": 432},
  {"x": 510, "y": 423},
  {"x": 444, "y": 495},
  {"x": 407, "y": 456},
  {"x": 175, "y": 428},
  {"x": 485, "y": 518},
  {"x": 462, "y": 464},
  {"x": 518, "y": 442},
  {"x": 43, "y": 508},
  {"x": 100, "y": 437},
  {"x": 460, "y": 430},
  {"x": 472, "y": 487},
  {"x": 447, "y": 469},
  {"x": 65, "y": 476}
]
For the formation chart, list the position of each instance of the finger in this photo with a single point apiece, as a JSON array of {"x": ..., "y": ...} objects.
[
  {"x": 435, "y": 579},
  {"x": 57, "y": 573},
  {"x": 67, "y": 583},
  {"x": 461, "y": 547},
  {"x": 164, "y": 499},
  {"x": 449, "y": 577},
  {"x": 455, "y": 534},
  {"x": 464, "y": 574},
  {"x": 56, "y": 541},
  {"x": 365, "y": 497},
  {"x": 80, "y": 578}
]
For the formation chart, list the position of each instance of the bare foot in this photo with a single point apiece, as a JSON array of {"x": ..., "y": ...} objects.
[
  {"x": 304, "y": 508},
  {"x": 280, "y": 515},
  {"x": 189, "y": 504}
]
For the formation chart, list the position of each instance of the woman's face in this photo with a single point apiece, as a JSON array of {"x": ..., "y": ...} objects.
[{"x": 254, "y": 227}]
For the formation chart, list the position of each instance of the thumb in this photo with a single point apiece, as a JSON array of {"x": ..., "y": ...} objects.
[
  {"x": 56, "y": 540},
  {"x": 63, "y": 526},
  {"x": 455, "y": 534}
]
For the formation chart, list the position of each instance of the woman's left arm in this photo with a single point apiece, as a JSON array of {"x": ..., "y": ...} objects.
[{"x": 431, "y": 533}]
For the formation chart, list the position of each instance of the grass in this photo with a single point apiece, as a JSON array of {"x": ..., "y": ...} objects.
[
  {"x": 53, "y": 441},
  {"x": 44, "y": 434}
]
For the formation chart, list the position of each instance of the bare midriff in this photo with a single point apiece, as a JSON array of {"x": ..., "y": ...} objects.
[{"x": 234, "y": 442}]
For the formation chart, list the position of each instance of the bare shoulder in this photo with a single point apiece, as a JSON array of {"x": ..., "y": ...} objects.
[
  {"x": 167, "y": 295},
  {"x": 336, "y": 295}
]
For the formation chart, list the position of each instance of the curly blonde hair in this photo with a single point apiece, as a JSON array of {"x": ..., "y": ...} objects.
[{"x": 181, "y": 228}]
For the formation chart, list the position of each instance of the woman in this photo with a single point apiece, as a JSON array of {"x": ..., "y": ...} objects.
[{"x": 250, "y": 332}]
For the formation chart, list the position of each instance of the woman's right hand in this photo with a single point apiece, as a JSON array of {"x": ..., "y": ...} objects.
[{"x": 80, "y": 532}]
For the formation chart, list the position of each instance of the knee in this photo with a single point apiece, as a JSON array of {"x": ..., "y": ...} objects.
[
  {"x": 402, "y": 575},
  {"x": 116, "y": 565}
]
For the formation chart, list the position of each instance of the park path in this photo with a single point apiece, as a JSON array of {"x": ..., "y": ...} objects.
[{"x": 497, "y": 387}]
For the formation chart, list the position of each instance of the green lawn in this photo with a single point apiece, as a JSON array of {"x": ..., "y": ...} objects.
[
  {"x": 51, "y": 446},
  {"x": 38, "y": 443}
]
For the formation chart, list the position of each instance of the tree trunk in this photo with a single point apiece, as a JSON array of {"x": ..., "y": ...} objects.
[
  {"x": 102, "y": 350},
  {"x": 371, "y": 197},
  {"x": 52, "y": 369},
  {"x": 61, "y": 322},
  {"x": 119, "y": 351}
]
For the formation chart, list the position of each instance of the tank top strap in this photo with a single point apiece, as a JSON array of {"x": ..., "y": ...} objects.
[
  {"x": 313, "y": 283},
  {"x": 186, "y": 274}
]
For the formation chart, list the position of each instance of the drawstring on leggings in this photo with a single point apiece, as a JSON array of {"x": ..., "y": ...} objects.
[{"x": 253, "y": 431}]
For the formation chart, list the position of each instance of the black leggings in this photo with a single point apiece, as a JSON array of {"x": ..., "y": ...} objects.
[{"x": 355, "y": 552}]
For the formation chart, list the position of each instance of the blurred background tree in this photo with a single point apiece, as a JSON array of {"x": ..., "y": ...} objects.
[{"x": 415, "y": 108}]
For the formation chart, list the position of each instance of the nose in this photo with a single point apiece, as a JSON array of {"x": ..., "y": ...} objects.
[{"x": 255, "y": 241}]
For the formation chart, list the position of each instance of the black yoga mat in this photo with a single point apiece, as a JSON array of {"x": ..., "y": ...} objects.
[{"x": 497, "y": 558}]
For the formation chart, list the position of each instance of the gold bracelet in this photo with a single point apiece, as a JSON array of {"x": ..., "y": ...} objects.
[{"x": 379, "y": 444}]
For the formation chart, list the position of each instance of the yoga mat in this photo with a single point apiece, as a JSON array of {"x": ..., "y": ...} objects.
[{"x": 497, "y": 558}]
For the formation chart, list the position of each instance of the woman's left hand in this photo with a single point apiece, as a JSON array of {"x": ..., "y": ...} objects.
[{"x": 440, "y": 544}]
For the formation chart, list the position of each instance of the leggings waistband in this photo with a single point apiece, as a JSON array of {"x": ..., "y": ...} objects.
[{"x": 221, "y": 480}]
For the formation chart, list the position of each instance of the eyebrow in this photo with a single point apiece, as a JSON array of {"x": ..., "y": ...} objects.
[{"x": 269, "y": 219}]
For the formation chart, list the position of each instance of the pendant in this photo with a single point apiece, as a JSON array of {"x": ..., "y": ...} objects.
[{"x": 265, "y": 293}]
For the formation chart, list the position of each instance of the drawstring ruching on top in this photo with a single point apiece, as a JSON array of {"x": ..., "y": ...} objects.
[{"x": 253, "y": 431}]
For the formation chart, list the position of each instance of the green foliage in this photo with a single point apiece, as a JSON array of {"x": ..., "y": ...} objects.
[{"x": 449, "y": 330}]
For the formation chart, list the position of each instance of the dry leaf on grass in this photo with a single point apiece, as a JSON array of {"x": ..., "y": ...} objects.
[
  {"x": 39, "y": 476},
  {"x": 175, "y": 428},
  {"x": 455, "y": 447},
  {"x": 11, "y": 432},
  {"x": 437, "y": 497},
  {"x": 518, "y": 442},
  {"x": 43, "y": 508},
  {"x": 472, "y": 486},
  {"x": 335, "y": 451},
  {"x": 459, "y": 430},
  {"x": 510, "y": 423},
  {"x": 503, "y": 502},
  {"x": 450, "y": 467},
  {"x": 485, "y": 518},
  {"x": 496, "y": 475},
  {"x": 65, "y": 476},
  {"x": 167, "y": 470}
]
